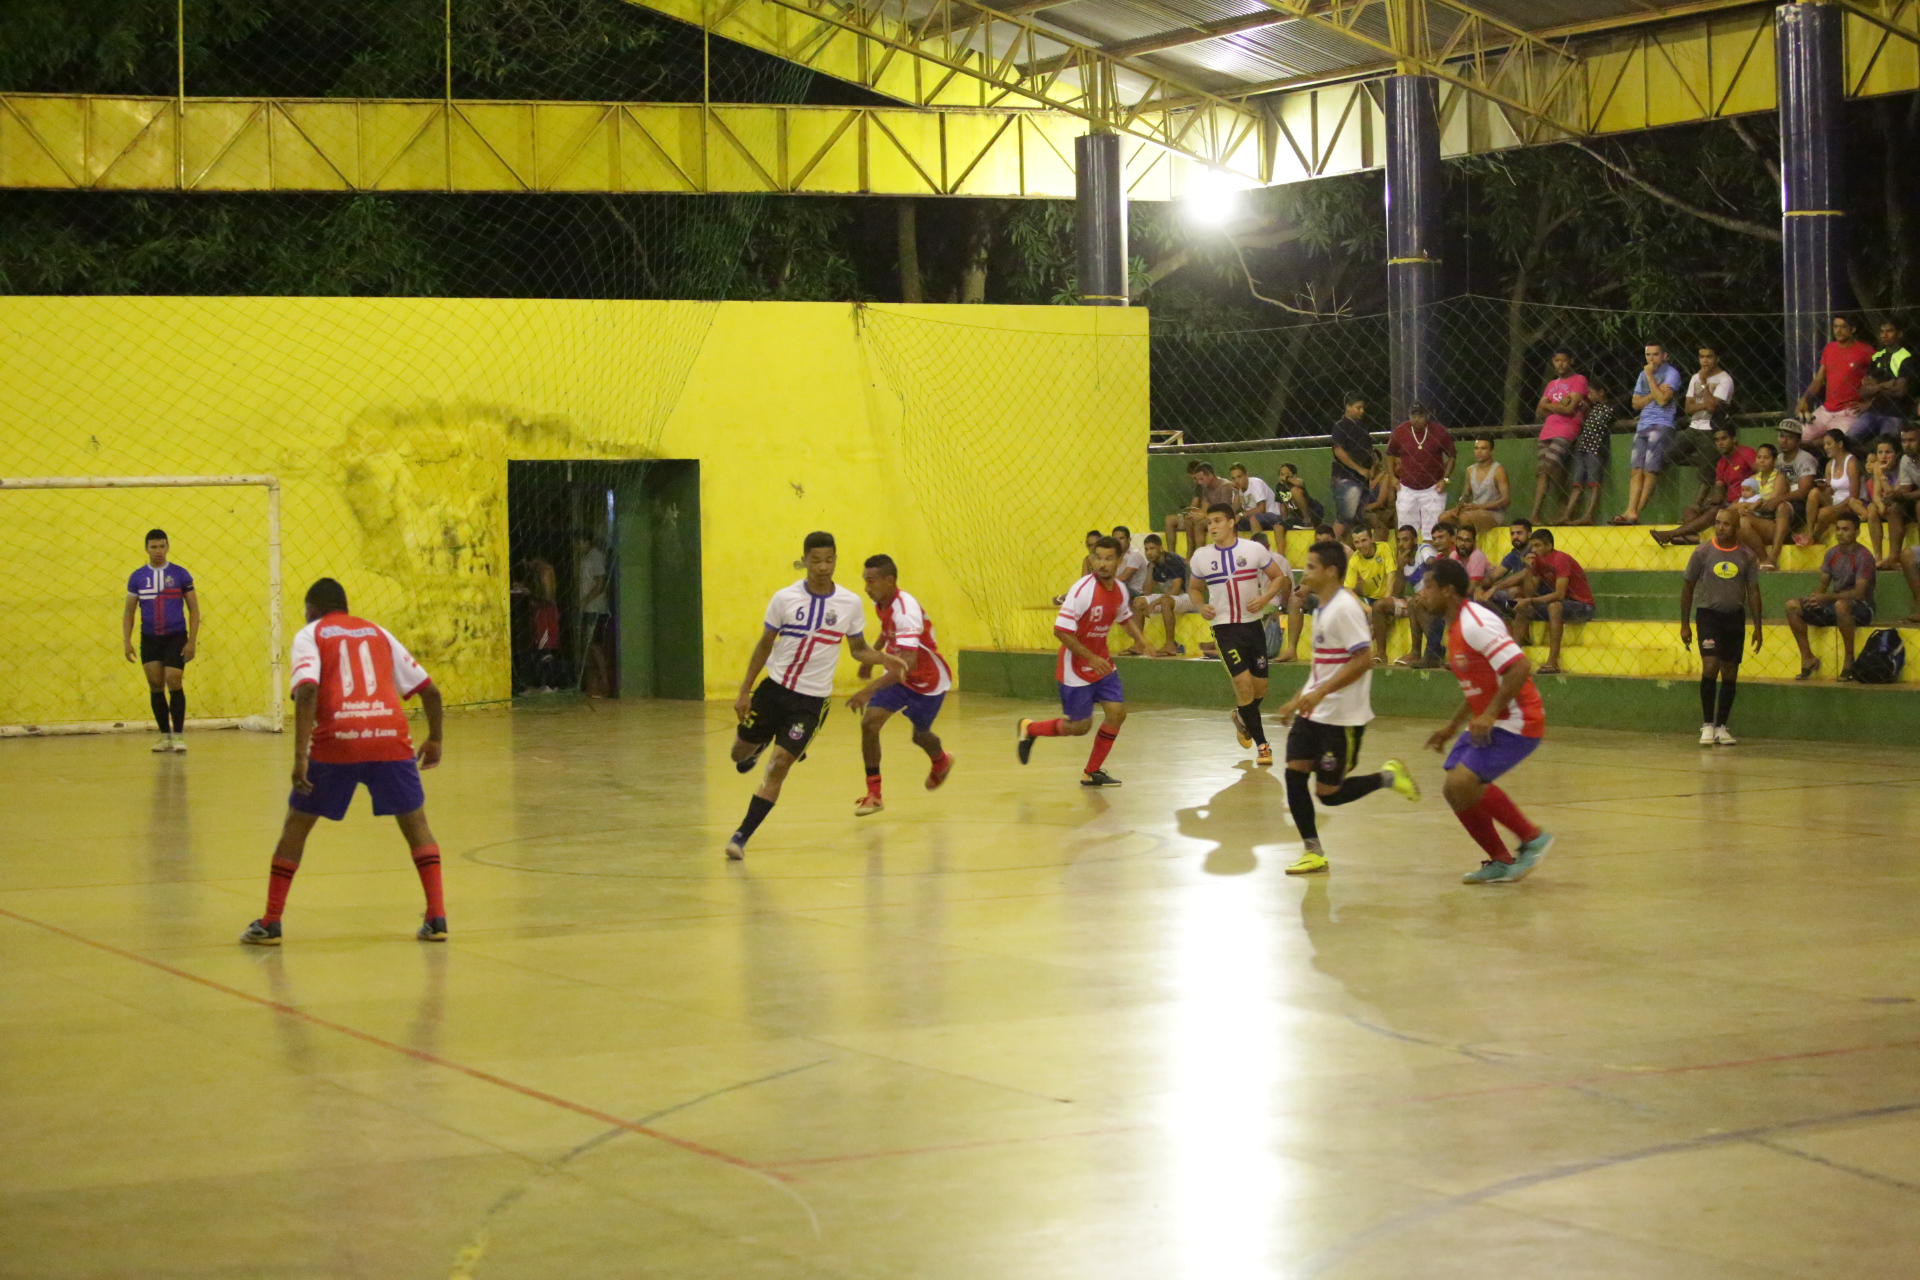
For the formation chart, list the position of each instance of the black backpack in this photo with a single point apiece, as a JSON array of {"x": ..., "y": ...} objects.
[{"x": 1882, "y": 658}]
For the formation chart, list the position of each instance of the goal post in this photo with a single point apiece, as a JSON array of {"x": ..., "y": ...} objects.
[{"x": 70, "y": 594}]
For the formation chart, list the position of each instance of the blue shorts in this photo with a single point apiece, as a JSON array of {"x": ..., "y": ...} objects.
[
  {"x": 393, "y": 784},
  {"x": 1349, "y": 495},
  {"x": 1588, "y": 468},
  {"x": 1077, "y": 699},
  {"x": 1650, "y": 448},
  {"x": 921, "y": 708},
  {"x": 1487, "y": 763}
]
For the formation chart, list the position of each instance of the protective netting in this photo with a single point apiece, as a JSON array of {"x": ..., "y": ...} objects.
[
  {"x": 389, "y": 423},
  {"x": 1492, "y": 358}
]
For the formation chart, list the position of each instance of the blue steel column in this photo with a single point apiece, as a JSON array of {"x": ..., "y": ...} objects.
[
  {"x": 1813, "y": 227},
  {"x": 1100, "y": 219},
  {"x": 1413, "y": 238}
]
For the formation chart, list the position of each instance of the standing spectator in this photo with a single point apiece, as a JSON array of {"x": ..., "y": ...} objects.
[
  {"x": 1886, "y": 389},
  {"x": 1420, "y": 456},
  {"x": 1168, "y": 599},
  {"x": 1590, "y": 450},
  {"x": 1562, "y": 595},
  {"x": 1709, "y": 392},
  {"x": 1259, "y": 511},
  {"x": 1843, "y": 368},
  {"x": 1837, "y": 487},
  {"x": 1656, "y": 398},
  {"x": 1723, "y": 580},
  {"x": 1208, "y": 489},
  {"x": 1353, "y": 462},
  {"x": 1844, "y": 600},
  {"x": 546, "y": 675},
  {"x": 1484, "y": 494},
  {"x": 590, "y": 566},
  {"x": 1560, "y": 407},
  {"x": 1736, "y": 463}
]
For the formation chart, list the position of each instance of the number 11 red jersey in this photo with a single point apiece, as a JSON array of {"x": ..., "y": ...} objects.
[{"x": 363, "y": 676}]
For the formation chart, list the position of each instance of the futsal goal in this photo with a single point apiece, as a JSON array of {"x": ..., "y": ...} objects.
[{"x": 72, "y": 543}]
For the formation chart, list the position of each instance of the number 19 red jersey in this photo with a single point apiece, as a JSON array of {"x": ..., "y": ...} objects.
[{"x": 363, "y": 675}]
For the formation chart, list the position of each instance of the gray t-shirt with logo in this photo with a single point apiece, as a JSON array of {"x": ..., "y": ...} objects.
[{"x": 1720, "y": 576}]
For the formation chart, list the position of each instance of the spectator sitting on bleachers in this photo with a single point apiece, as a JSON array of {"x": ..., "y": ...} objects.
[
  {"x": 1133, "y": 574},
  {"x": 1844, "y": 363},
  {"x": 1900, "y": 511},
  {"x": 1168, "y": 598},
  {"x": 1410, "y": 557},
  {"x": 1500, "y": 587},
  {"x": 1760, "y": 495},
  {"x": 1484, "y": 493},
  {"x": 1383, "y": 501},
  {"x": 1773, "y": 520},
  {"x": 1735, "y": 465},
  {"x": 1302, "y": 602},
  {"x": 1298, "y": 508},
  {"x": 1208, "y": 489},
  {"x": 1369, "y": 574},
  {"x": 1839, "y": 484},
  {"x": 1255, "y": 502},
  {"x": 1883, "y": 471},
  {"x": 1560, "y": 594},
  {"x": 1886, "y": 392},
  {"x": 1844, "y": 600}
]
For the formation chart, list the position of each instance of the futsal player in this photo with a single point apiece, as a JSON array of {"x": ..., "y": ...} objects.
[
  {"x": 1090, "y": 609},
  {"x": 163, "y": 596},
  {"x": 1723, "y": 580},
  {"x": 350, "y": 679},
  {"x": 1330, "y": 713},
  {"x": 1231, "y": 581},
  {"x": 799, "y": 648},
  {"x": 907, "y": 632},
  {"x": 1504, "y": 722}
]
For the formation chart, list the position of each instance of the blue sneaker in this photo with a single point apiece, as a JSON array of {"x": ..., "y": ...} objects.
[
  {"x": 1490, "y": 872},
  {"x": 1531, "y": 851}
]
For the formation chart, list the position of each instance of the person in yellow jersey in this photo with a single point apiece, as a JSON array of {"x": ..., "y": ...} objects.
[{"x": 1369, "y": 573}]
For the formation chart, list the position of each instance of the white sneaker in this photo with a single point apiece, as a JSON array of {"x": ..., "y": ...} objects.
[
  {"x": 1706, "y": 735},
  {"x": 1722, "y": 738},
  {"x": 179, "y": 742},
  {"x": 165, "y": 743}
]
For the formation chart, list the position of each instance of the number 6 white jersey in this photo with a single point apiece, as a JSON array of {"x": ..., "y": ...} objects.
[{"x": 362, "y": 675}]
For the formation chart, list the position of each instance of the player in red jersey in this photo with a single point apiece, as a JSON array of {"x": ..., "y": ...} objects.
[
  {"x": 907, "y": 632},
  {"x": 350, "y": 679},
  {"x": 1504, "y": 723},
  {"x": 1091, "y": 608}
]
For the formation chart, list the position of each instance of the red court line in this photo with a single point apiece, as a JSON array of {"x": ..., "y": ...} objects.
[{"x": 420, "y": 1055}]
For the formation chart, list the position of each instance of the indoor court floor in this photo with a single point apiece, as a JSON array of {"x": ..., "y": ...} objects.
[{"x": 1012, "y": 1030}]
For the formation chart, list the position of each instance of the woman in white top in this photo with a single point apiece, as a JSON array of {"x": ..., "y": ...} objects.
[
  {"x": 1484, "y": 496},
  {"x": 1837, "y": 487}
]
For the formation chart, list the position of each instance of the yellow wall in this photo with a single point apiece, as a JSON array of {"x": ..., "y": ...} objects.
[{"x": 973, "y": 444}]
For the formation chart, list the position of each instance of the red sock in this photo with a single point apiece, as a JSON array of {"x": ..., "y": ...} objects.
[
  {"x": 279, "y": 880},
  {"x": 1479, "y": 825},
  {"x": 1499, "y": 806},
  {"x": 426, "y": 860},
  {"x": 1102, "y": 743},
  {"x": 873, "y": 783},
  {"x": 1044, "y": 729}
]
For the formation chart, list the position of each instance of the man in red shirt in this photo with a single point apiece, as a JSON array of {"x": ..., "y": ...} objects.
[
  {"x": 1733, "y": 466},
  {"x": 907, "y": 632},
  {"x": 1844, "y": 363},
  {"x": 1560, "y": 592},
  {"x": 1091, "y": 608},
  {"x": 1420, "y": 458},
  {"x": 350, "y": 679}
]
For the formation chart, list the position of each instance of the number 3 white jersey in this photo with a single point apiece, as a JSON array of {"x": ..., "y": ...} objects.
[
  {"x": 1234, "y": 576},
  {"x": 809, "y": 629}
]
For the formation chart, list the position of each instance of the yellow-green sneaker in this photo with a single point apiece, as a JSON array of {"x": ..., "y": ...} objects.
[
  {"x": 1310, "y": 861},
  {"x": 1400, "y": 778}
]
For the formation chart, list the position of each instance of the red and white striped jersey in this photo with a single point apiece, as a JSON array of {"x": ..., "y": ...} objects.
[
  {"x": 1479, "y": 648},
  {"x": 906, "y": 630},
  {"x": 1089, "y": 611},
  {"x": 363, "y": 675},
  {"x": 808, "y": 631},
  {"x": 1234, "y": 576}
]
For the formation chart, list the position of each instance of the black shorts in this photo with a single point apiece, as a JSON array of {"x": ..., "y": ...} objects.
[
  {"x": 167, "y": 650},
  {"x": 780, "y": 716},
  {"x": 1243, "y": 647},
  {"x": 1826, "y": 615},
  {"x": 1722, "y": 633},
  {"x": 1332, "y": 748}
]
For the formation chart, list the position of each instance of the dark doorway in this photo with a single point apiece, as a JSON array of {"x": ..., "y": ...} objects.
[{"x": 606, "y": 578}]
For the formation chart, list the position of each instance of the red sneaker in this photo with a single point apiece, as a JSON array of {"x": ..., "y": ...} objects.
[
  {"x": 869, "y": 803},
  {"x": 941, "y": 768}
]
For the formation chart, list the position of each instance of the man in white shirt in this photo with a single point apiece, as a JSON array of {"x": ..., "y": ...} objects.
[
  {"x": 1329, "y": 716},
  {"x": 1709, "y": 392},
  {"x": 590, "y": 563},
  {"x": 799, "y": 649},
  {"x": 1135, "y": 569},
  {"x": 1259, "y": 509},
  {"x": 1231, "y": 581}
]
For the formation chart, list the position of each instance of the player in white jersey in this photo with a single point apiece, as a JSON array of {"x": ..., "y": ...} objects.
[
  {"x": 906, "y": 630},
  {"x": 799, "y": 650},
  {"x": 1330, "y": 715},
  {"x": 1231, "y": 580}
]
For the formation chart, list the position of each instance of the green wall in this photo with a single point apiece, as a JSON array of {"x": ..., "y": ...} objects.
[{"x": 657, "y": 517}]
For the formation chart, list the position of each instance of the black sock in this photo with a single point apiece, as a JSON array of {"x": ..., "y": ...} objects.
[
  {"x": 1727, "y": 689},
  {"x": 177, "y": 704},
  {"x": 1250, "y": 721},
  {"x": 1300, "y": 804},
  {"x": 1359, "y": 785},
  {"x": 757, "y": 811},
  {"x": 159, "y": 699},
  {"x": 873, "y": 773},
  {"x": 1706, "y": 699}
]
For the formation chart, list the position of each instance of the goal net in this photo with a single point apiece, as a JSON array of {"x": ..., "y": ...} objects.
[{"x": 73, "y": 542}]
